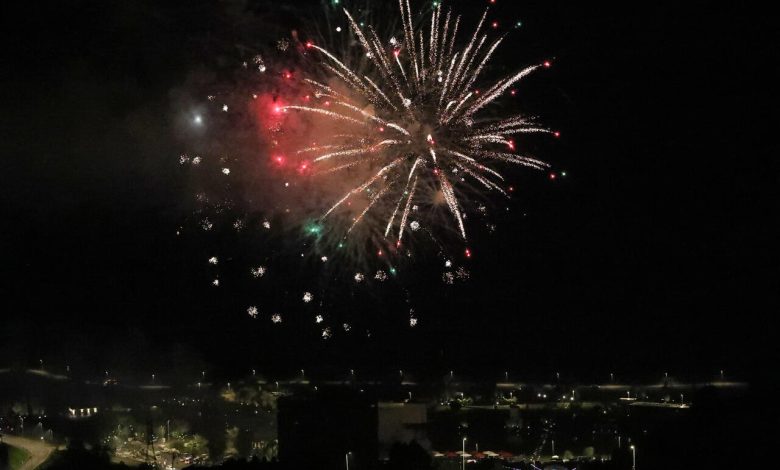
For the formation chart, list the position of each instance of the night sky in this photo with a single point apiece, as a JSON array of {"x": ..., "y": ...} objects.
[{"x": 655, "y": 253}]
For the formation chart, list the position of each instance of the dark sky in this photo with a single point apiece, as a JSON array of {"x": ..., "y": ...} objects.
[{"x": 655, "y": 253}]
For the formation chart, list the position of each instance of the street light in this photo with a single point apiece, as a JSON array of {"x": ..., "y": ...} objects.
[
  {"x": 633, "y": 457},
  {"x": 346, "y": 458},
  {"x": 463, "y": 455}
]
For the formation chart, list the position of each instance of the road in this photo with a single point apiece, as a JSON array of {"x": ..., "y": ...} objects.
[{"x": 38, "y": 449}]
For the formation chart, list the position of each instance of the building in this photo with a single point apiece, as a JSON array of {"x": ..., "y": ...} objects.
[{"x": 326, "y": 429}]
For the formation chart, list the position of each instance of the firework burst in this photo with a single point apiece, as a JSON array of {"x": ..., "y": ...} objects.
[{"x": 413, "y": 131}]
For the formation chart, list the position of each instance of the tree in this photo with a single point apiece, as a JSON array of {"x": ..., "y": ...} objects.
[{"x": 409, "y": 457}]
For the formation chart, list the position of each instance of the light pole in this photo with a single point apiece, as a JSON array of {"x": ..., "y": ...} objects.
[
  {"x": 463, "y": 455},
  {"x": 553, "y": 446},
  {"x": 633, "y": 457},
  {"x": 346, "y": 459}
]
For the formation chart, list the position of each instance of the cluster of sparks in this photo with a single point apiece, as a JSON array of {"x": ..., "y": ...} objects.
[
  {"x": 414, "y": 133},
  {"x": 414, "y": 119}
]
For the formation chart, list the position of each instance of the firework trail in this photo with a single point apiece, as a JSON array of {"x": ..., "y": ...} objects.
[{"x": 414, "y": 121}]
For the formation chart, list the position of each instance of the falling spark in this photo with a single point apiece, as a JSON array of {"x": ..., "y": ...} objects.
[
  {"x": 213, "y": 260},
  {"x": 258, "y": 271},
  {"x": 276, "y": 318},
  {"x": 307, "y": 297},
  {"x": 252, "y": 311}
]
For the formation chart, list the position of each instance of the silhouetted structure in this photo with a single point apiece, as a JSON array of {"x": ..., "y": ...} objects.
[{"x": 325, "y": 429}]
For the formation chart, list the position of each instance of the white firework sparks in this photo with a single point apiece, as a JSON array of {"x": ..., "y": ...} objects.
[
  {"x": 318, "y": 319},
  {"x": 252, "y": 311},
  {"x": 213, "y": 260},
  {"x": 276, "y": 318},
  {"x": 359, "y": 277},
  {"x": 418, "y": 117},
  {"x": 258, "y": 271},
  {"x": 307, "y": 297}
]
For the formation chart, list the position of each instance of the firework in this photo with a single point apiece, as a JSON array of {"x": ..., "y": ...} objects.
[
  {"x": 258, "y": 271},
  {"x": 415, "y": 122}
]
